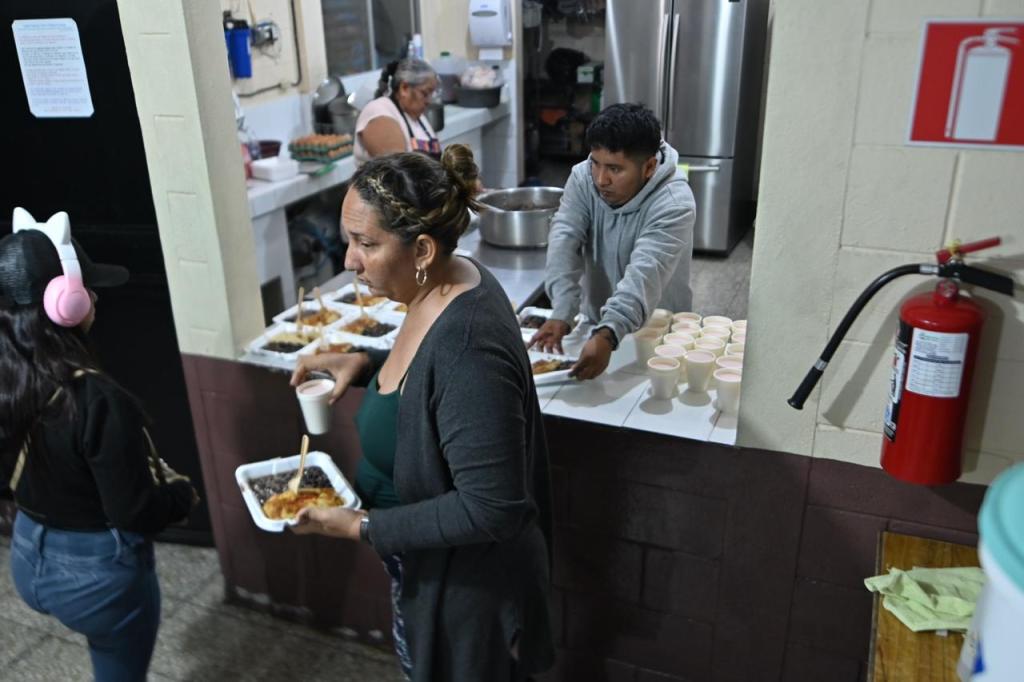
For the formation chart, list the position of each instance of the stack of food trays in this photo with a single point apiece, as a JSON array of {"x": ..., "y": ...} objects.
[{"x": 334, "y": 327}]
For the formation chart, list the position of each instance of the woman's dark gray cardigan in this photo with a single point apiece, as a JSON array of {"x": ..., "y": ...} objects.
[{"x": 471, "y": 470}]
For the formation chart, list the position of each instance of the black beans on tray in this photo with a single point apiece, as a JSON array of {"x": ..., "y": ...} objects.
[{"x": 266, "y": 487}]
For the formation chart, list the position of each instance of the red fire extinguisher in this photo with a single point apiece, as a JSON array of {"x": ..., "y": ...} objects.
[{"x": 933, "y": 361}]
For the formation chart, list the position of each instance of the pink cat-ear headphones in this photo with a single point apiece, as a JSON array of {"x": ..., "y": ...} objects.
[{"x": 66, "y": 300}]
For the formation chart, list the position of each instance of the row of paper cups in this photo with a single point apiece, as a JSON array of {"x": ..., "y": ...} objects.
[{"x": 696, "y": 350}]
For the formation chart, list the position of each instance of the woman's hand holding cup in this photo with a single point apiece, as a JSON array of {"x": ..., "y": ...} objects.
[{"x": 344, "y": 367}]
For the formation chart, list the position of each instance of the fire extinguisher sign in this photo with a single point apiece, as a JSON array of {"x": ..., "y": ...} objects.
[{"x": 970, "y": 85}]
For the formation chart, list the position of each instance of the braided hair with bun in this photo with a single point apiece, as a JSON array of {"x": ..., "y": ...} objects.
[{"x": 415, "y": 195}]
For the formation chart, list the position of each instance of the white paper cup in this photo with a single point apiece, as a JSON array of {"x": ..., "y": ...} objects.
[
  {"x": 664, "y": 373},
  {"x": 739, "y": 338},
  {"x": 716, "y": 321},
  {"x": 716, "y": 332},
  {"x": 661, "y": 315},
  {"x": 738, "y": 356},
  {"x": 313, "y": 396},
  {"x": 734, "y": 348},
  {"x": 677, "y": 353},
  {"x": 679, "y": 339},
  {"x": 729, "y": 362},
  {"x": 728, "y": 383},
  {"x": 661, "y": 325},
  {"x": 699, "y": 366},
  {"x": 711, "y": 344},
  {"x": 692, "y": 317},
  {"x": 686, "y": 327},
  {"x": 739, "y": 326},
  {"x": 646, "y": 340}
]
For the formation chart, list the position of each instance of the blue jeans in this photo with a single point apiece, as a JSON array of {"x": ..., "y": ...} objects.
[{"x": 101, "y": 584}]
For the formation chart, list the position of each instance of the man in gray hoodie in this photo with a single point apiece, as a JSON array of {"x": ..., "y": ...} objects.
[{"x": 622, "y": 238}]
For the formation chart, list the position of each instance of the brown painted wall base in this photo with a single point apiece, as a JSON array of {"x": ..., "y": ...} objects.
[{"x": 674, "y": 560}]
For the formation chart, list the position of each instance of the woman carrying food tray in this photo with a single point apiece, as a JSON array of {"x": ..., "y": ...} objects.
[
  {"x": 455, "y": 463},
  {"x": 90, "y": 489}
]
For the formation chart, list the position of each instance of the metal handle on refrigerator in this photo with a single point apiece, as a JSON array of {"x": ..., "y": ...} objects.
[
  {"x": 704, "y": 169},
  {"x": 660, "y": 73},
  {"x": 670, "y": 86}
]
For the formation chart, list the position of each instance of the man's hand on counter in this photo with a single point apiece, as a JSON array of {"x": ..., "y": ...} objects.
[
  {"x": 594, "y": 357},
  {"x": 549, "y": 337}
]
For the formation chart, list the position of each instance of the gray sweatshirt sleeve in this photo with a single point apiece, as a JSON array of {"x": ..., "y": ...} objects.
[
  {"x": 570, "y": 228},
  {"x": 481, "y": 423},
  {"x": 665, "y": 238}
]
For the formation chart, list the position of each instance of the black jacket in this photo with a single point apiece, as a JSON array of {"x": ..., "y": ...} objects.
[
  {"x": 92, "y": 470},
  {"x": 471, "y": 470}
]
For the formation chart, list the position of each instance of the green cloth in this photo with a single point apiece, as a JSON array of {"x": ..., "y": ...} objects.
[
  {"x": 930, "y": 598},
  {"x": 377, "y": 425}
]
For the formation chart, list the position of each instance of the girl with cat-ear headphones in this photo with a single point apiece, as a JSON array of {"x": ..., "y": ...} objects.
[{"x": 76, "y": 455}]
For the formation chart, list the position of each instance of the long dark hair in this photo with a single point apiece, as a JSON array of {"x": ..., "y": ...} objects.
[{"x": 36, "y": 357}]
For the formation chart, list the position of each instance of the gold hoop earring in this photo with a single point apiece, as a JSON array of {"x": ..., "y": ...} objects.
[{"x": 421, "y": 276}]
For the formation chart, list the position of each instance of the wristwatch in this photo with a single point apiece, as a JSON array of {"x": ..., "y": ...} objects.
[{"x": 364, "y": 529}]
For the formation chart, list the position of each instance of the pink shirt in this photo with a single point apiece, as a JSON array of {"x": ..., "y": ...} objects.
[{"x": 384, "y": 106}]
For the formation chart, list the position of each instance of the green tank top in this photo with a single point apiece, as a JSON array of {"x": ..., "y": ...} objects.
[{"x": 377, "y": 425}]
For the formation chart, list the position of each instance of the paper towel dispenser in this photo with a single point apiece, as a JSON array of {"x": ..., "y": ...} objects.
[{"x": 490, "y": 23}]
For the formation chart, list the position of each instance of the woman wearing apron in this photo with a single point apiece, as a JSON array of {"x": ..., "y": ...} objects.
[{"x": 393, "y": 121}]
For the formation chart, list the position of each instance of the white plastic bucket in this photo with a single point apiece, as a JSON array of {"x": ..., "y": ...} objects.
[{"x": 998, "y": 627}]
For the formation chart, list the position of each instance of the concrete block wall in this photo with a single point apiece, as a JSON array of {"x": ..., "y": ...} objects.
[
  {"x": 178, "y": 65},
  {"x": 843, "y": 199}
]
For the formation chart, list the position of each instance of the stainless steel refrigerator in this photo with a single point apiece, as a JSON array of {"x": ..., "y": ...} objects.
[{"x": 699, "y": 65}]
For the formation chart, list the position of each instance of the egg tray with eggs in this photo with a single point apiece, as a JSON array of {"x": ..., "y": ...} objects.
[
  {"x": 284, "y": 340},
  {"x": 322, "y": 484}
]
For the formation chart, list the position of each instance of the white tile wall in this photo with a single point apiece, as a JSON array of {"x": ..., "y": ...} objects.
[
  {"x": 803, "y": 182},
  {"x": 887, "y": 88},
  {"x": 855, "y": 387},
  {"x": 1003, "y": 8},
  {"x": 855, "y": 270},
  {"x": 909, "y": 15},
  {"x": 848, "y": 445},
  {"x": 990, "y": 198},
  {"x": 897, "y": 198}
]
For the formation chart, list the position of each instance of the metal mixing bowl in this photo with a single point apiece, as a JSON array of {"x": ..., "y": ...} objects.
[{"x": 520, "y": 217}]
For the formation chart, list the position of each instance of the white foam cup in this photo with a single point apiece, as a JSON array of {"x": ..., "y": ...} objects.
[
  {"x": 733, "y": 348},
  {"x": 646, "y": 340},
  {"x": 716, "y": 321},
  {"x": 692, "y": 317},
  {"x": 664, "y": 373},
  {"x": 313, "y": 396},
  {"x": 728, "y": 383},
  {"x": 699, "y": 366},
  {"x": 711, "y": 344},
  {"x": 677, "y": 353},
  {"x": 679, "y": 339}
]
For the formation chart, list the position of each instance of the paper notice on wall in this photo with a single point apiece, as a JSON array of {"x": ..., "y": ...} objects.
[
  {"x": 936, "y": 363},
  {"x": 52, "y": 68}
]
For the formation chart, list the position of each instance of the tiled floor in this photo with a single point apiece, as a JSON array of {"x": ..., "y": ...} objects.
[{"x": 200, "y": 637}]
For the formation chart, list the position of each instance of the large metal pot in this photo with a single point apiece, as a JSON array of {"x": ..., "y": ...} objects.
[{"x": 518, "y": 218}]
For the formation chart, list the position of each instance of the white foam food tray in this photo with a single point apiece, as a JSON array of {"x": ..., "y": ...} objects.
[
  {"x": 549, "y": 377},
  {"x": 270, "y": 467},
  {"x": 308, "y": 307},
  {"x": 394, "y": 319},
  {"x": 256, "y": 346},
  {"x": 336, "y": 296},
  {"x": 334, "y": 337}
]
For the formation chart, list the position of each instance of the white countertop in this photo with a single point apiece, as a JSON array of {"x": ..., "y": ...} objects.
[
  {"x": 268, "y": 196},
  {"x": 619, "y": 397}
]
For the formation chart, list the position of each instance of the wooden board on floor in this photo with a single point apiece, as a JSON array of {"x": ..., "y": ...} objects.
[{"x": 897, "y": 653}]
